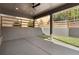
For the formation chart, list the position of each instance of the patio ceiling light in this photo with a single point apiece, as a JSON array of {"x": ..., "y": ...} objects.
[{"x": 17, "y": 8}]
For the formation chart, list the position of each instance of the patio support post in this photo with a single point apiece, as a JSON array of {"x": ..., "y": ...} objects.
[
  {"x": 1, "y": 22},
  {"x": 33, "y": 22},
  {"x": 51, "y": 24}
]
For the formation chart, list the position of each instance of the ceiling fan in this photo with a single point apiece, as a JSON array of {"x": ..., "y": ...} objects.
[{"x": 35, "y": 5}]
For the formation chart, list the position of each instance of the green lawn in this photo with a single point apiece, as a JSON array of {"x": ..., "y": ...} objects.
[{"x": 69, "y": 40}]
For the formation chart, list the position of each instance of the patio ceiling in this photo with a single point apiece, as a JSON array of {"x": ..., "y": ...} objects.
[{"x": 26, "y": 9}]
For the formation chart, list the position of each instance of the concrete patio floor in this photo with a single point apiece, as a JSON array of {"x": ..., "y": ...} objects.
[{"x": 31, "y": 44}]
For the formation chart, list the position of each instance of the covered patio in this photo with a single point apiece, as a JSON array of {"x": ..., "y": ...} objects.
[{"x": 20, "y": 33}]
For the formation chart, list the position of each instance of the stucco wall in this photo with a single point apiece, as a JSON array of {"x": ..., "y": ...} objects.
[
  {"x": 11, "y": 33},
  {"x": 74, "y": 32},
  {"x": 16, "y": 33},
  {"x": 61, "y": 31},
  {"x": 56, "y": 31}
]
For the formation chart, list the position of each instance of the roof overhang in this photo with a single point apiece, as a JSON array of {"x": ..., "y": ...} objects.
[{"x": 65, "y": 6}]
